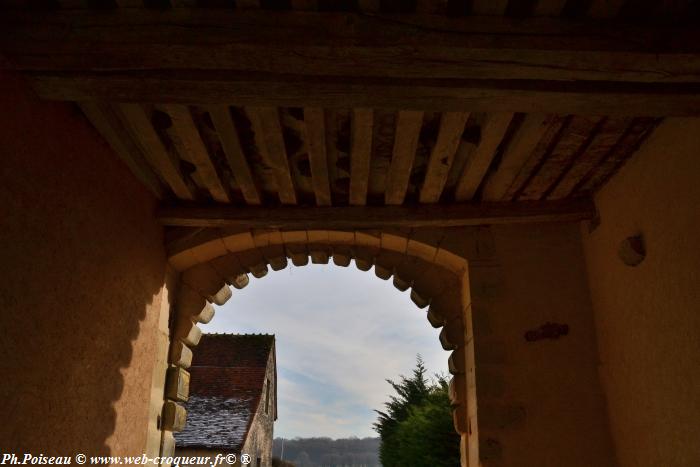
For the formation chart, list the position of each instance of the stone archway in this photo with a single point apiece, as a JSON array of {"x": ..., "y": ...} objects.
[{"x": 431, "y": 263}]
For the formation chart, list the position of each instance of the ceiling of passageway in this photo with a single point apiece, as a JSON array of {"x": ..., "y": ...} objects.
[{"x": 315, "y": 103}]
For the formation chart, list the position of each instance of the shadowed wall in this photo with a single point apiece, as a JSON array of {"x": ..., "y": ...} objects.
[
  {"x": 647, "y": 316},
  {"x": 539, "y": 396},
  {"x": 80, "y": 285}
]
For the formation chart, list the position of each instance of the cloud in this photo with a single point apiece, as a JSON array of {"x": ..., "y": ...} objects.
[{"x": 340, "y": 334}]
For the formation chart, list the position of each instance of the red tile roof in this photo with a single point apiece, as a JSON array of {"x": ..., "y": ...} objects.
[{"x": 226, "y": 384}]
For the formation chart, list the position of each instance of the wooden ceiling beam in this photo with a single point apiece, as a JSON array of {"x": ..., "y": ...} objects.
[
  {"x": 492, "y": 133},
  {"x": 442, "y": 155},
  {"x": 526, "y": 138},
  {"x": 360, "y": 155},
  {"x": 264, "y": 58},
  {"x": 140, "y": 126},
  {"x": 231, "y": 144},
  {"x": 349, "y": 45},
  {"x": 603, "y": 143},
  {"x": 112, "y": 129},
  {"x": 373, "y": 217},
  {"x": 314, "y": 123},
  {"x": 630, "y": 99},
  {"x": 188, "y": 142},
  {"x": 270, "y": 142},
  {"x": 577, "y": 137},
  {"x": 408, "y": 126}
]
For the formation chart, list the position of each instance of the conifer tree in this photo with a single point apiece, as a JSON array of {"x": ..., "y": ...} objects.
[{"x": 416, "y": 428}]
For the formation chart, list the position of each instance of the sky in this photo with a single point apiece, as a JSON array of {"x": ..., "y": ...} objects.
[{"x": 340, "y": 333}]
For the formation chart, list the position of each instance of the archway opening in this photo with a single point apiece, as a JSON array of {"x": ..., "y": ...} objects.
[
  {"x": 436, "y": 276},
  {"x": 339, "y": 334}
]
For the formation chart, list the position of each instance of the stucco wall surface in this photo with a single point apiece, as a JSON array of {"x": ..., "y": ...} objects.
[
  {"x": 648, "y": 316},
  {"x": 540, "y": 402},
  {"x": 81, "y": 275}
]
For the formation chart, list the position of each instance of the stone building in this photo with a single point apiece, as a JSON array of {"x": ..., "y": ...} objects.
[
  {"x": 232, "y": 404},
  {"x": 528, "y": 169}
]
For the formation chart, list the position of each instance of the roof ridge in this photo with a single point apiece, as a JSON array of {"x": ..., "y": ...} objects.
[{"x": 231, "y": 334}]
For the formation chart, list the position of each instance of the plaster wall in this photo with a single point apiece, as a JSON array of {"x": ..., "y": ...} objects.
[
  {"x": 81, "y": 285},
  {"x": 540, "y": 402},
  {"x": 647, "y": 316}
]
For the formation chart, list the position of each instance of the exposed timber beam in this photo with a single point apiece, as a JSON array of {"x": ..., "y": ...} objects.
[
  {"x": 422, "y": 62},
  {"x": 371, "y": 217},
  {"x": 347, "y": 44},
  {"x": 360, "y": 155},
  {"x": 408, "y": 126},
  {"x": 619, "y": 99}
]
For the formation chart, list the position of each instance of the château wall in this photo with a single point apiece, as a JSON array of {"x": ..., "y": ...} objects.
[
  {"x": 647, "y": 317},
  {"x": 81, "y": 285}
]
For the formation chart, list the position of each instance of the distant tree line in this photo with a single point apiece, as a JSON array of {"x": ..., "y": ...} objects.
[
  {"x": 416, "y": 427},
  {"x": 327, "y": 452}
]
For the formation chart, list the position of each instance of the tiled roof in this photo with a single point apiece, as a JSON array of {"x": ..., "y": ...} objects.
[{"x": 226, "y": 384}]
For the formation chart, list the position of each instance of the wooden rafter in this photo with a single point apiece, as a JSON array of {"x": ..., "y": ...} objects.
[
  {"x": 492, "y": 133},
  {"x": 408, "y": 126},
  {"x": 270, "y": 142},
  {"x": 152, "y": 147},
  {"x": 633, "y": 137},
  {"x": 372, "y": 217},
  {"x": 603, "y": 142},
  {"x": 314, "y": 123},
  {"x": 112, "y": 129},
  {"x": 228, "y": 135},
  {"x": 360, "y": 155},
  {"x": 576, "y": 138},
  {"x": 550, "y": 137},
  {"x": 442, "y": 155},
  {"x": 188, "y": 141},
  {"x": 522, "y": 145},
  {"x": 244, "y": 89}
]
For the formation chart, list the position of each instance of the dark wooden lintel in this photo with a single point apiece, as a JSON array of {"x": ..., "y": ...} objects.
[
  {"x": 373, "y": 217},
  {"x": 411, "y": 62}
]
